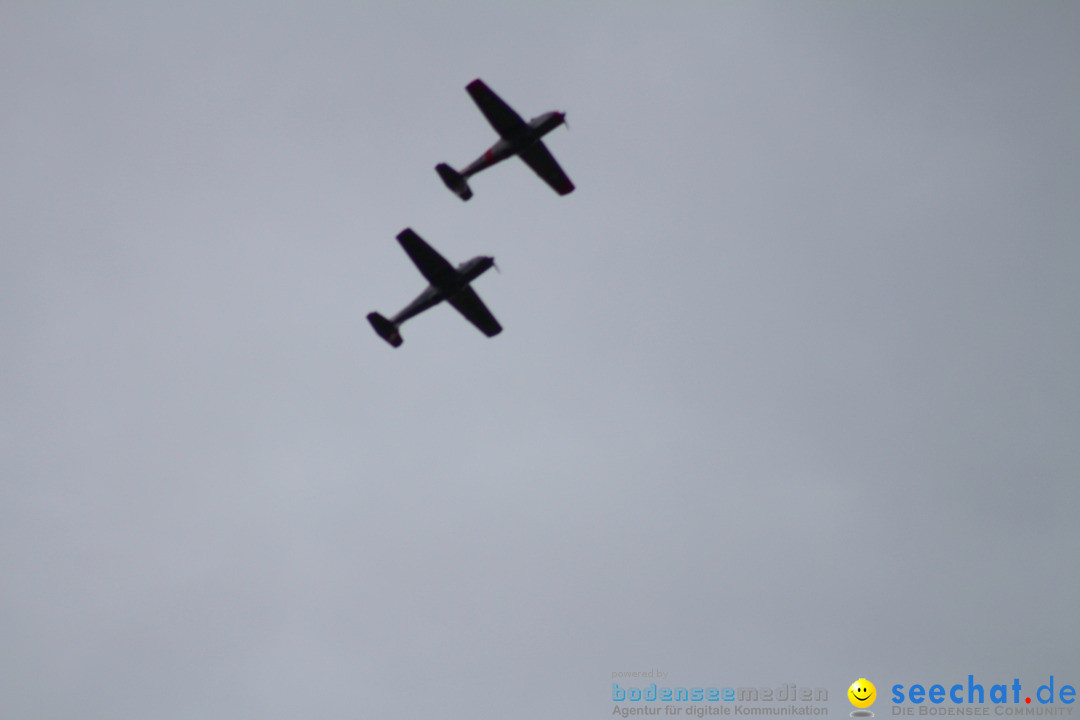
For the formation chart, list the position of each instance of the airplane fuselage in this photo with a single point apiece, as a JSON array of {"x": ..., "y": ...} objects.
[{"x": 511, "y": 145}]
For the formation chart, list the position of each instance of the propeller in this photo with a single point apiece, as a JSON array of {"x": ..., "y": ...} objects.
[
  {"x": 565, "y": 121},
  {"x": 496, "y": 266}
]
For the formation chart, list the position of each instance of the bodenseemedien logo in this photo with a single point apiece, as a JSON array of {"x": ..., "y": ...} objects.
[{"x": 702, "y": 701}]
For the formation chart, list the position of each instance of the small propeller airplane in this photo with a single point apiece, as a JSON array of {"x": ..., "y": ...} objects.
[
  {"x": 447, "y": 283},
  {"x": 517, "y": 137}
]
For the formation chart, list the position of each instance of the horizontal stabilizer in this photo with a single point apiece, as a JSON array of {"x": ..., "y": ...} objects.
[
  {"x": 454, "y": 180},
  {"x": 387, "y": 330}
]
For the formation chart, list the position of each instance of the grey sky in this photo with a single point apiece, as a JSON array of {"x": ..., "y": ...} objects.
[{"x": 787, "y": 390}]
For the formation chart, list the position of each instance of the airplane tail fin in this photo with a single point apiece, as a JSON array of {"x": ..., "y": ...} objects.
[
  {"x": 387, "y": 330},
  {"x": 454, "y": 180}
]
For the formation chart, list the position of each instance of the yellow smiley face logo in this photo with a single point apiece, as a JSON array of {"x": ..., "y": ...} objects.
[{"x": 862, "y": 693}]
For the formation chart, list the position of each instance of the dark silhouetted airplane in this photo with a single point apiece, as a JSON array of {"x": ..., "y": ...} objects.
[
  {"x": 517, "y": 138},
  {"x": 447, "y": 283}
]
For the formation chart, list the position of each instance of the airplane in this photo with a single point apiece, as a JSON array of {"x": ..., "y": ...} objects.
[
  {"x": 517, "y": 137},
  {"x": 447, "y": 283}
]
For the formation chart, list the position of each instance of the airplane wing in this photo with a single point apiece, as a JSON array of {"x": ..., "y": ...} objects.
[
  {"x": 501, "y": 116},
  {"x": 469, "y": 304},
  {"x": 543, "y": 164},
  {"x": 433, "y": 266}
]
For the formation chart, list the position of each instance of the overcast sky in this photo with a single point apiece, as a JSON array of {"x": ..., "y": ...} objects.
[{"x": 787, "y": 392}]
